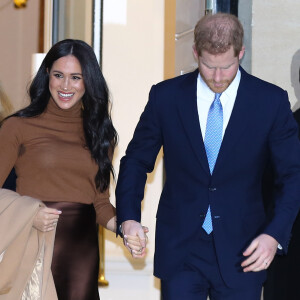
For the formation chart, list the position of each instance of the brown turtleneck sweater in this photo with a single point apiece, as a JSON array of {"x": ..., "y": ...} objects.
[{"x": 50, "y": 159}]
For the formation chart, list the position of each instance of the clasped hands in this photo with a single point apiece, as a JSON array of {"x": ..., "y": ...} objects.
[{"x": 135, "y": 238}]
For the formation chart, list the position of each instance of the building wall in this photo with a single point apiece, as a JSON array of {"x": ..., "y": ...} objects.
[
  {"x": 19, "y": 40},
  {"x": 276, "y": 44}
]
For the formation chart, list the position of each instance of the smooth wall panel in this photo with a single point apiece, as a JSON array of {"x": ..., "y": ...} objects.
[
  {"x": 19, "y": 33},
  {"x": 188, "y": 12},
  {"x": 276, "y": 44}
]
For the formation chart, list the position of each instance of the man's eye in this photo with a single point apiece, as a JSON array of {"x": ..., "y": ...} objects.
[{"x": 209, "y": 67}]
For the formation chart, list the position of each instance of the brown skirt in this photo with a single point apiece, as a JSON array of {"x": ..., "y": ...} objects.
[{"x": 75, "y": 260}]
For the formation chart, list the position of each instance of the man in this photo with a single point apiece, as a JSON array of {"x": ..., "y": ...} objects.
[{"x": 218, "y": 126}]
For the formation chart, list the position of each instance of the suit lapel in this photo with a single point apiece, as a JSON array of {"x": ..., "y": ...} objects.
[
  {"x": 239, "y": 118},
  {"x": 188, "y": 112}
]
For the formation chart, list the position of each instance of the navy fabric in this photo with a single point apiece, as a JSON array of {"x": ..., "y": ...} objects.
[
  {"x": 192, "y": 283},
  {"x": 261, "y": 129},
  {"x": 284, "y": 272}
]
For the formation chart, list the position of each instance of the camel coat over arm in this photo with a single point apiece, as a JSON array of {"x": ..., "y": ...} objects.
[{"x": 25, "y": 252}]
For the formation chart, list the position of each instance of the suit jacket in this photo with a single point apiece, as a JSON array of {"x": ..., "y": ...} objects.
[
  {"x": 261, "y": 128},
  {"x": 283, "y": 274},
  {"x": 25, "y": 253},
  {"x": 10, "y": 182}
]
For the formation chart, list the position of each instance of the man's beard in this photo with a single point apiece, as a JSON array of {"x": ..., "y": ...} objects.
[{"x": 217, "y": 89}]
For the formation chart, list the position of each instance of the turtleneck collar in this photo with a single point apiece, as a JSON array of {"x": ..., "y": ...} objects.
[{"x": 73, "y": 112}]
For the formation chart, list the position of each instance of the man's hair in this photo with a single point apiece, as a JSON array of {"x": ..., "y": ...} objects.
[{"x": 217, "y": 33}]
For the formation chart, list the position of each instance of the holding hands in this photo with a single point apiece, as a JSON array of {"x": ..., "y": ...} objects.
[{"x": 135, "y": 238}]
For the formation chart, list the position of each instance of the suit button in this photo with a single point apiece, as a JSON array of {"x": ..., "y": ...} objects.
[{"x": 212, "y": 189}]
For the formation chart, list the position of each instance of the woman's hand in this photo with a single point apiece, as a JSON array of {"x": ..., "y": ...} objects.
[
  {"x": 46, "y": 219},
  {"x": 136, "y": 245},
  {"x": 112, "y": 224}
]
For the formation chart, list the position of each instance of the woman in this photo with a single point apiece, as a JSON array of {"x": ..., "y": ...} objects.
[{"x": 61, "y": 146}]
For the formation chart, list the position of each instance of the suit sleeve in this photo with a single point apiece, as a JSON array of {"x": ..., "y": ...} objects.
[
  {"x": 139, "y": 160},
  {"x": 285, "y": 156}
]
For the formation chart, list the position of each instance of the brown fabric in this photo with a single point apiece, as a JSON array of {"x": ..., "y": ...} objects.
[
  {"x": 76, "y": 254},
  {"x": 51, "y": 161},
  {"x": 23, "y": 249}
]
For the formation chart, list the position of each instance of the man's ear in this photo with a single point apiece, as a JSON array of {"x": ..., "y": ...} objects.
[
  {"x": 242, "y": 52},
  {"x": 195, "y": 52}
]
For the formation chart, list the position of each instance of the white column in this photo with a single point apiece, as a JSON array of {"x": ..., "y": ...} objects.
[{"x": 133, "y": 39}]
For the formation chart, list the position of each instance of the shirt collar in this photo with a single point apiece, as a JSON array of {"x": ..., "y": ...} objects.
[{"x": 206, "y": 94}]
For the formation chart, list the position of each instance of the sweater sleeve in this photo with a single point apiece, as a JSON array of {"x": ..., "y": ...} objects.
[
  {"x": 104, "y": 209},
  {"x": 10, "y": 141}
]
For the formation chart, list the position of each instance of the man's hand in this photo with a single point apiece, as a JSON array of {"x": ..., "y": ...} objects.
[
  {"x": 46, "y": 219},
  {"x": 134, "y": 238},
  {"x": 260, "y": 253}
]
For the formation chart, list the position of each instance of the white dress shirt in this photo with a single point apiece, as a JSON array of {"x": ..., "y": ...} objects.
[{"x": 205, "y": 97}]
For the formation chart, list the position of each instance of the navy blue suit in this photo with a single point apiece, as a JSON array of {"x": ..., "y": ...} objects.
[{"x": 261, "y": 128}]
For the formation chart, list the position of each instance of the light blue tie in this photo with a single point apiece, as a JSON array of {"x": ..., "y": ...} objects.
[{"x": 212, "y": 142}]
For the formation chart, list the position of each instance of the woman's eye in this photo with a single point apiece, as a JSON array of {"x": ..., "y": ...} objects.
[
  {"x": 57, "y": 75},
  {"x": 76, "y": 77}
]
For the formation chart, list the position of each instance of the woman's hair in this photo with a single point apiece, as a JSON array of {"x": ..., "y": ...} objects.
[
  {"x": 5, "y": 106},
  {"x": 100, "y": 134}
]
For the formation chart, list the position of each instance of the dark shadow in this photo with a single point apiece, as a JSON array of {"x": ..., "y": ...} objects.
[
  {"x": 10, "y": 182},
  {"x": 228, "y": 6}
]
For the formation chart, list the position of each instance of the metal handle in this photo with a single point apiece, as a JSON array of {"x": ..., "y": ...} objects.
[{"x": 182, "y": 34}]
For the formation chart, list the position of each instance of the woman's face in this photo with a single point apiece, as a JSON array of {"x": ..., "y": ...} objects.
[{"x": 66, "y": 83}]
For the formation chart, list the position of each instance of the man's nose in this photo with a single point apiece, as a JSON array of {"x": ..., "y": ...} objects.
[{"x": 217, "y": 75}]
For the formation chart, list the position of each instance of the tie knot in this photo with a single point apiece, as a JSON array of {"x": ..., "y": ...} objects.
[{"x": 217, "y": 96}]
